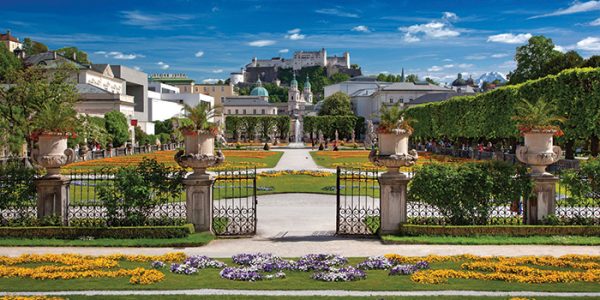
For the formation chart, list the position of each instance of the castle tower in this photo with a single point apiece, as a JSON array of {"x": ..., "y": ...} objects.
[{"x": 347, "y": 58}]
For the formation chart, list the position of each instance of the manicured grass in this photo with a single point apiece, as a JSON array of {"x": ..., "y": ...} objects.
[
  {"x": 330, "y": 159},
  {"x": 493, "y": 240},
  {"x": 193, "y": 240},
  {"x": 377, "y": 280}
]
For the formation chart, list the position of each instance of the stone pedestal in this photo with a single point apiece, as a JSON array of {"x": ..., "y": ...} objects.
[
  {"x": 199, "y": 201},
  {"x": 393, "y": 187},
  {"x": 543, "y": 202},
  {"x": 53, "y": 198}
]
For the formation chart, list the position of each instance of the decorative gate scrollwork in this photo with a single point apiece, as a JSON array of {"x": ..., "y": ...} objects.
[
  {"x": 358, "y": 201},
  {"x": 234, "y": 202}
]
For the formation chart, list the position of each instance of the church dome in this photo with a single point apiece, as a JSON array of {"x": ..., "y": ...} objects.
[
  {"x": 259, "y": 90},
  {"x": 294, "y": 82},
  {"x": 459, "y": 81},
  {"x": 307, "y": 83}
]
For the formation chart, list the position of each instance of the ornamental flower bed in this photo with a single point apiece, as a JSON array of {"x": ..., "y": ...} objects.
[{"x": 341, "y": 274}]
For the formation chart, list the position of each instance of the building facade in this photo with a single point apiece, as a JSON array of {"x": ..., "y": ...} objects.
[{"x": 12, "y": 43}]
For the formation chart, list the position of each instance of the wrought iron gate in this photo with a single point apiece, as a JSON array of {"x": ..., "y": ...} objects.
[
  {"x": 234, "y": 202},
  {"x": 358, "y": 201}
]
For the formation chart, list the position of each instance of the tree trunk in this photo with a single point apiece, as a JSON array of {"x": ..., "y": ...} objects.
[
  {"x": 594, "y": 145},
  {"x": 569, "y": 153}
]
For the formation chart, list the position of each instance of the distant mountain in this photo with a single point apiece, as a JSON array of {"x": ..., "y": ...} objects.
[{"x": 490, "y": 77}]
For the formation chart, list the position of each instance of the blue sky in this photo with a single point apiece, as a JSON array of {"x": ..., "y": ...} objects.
[{"x": 209, "y": 39}]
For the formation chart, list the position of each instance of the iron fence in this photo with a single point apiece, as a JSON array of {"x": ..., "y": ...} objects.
[
  {"x": 18, "y": 197},
  {"x": 234, "y": 202},
  {"x": 358, "y": 201}
]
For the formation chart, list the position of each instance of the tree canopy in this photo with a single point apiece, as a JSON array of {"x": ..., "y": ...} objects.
[{"x": 337, "y": 104}]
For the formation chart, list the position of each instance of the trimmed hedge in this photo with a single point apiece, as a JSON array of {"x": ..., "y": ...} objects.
[
  {"x": 71, "y": 233},
  {"x": 513, "y": 230}
]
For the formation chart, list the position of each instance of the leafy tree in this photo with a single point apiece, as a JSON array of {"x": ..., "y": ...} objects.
[
  {"x": 337, "y": 104},
  {"x": 233, "y": 125},
  {"x": 266, "y": 126},
  {"x": 283, "y": 126},
  {"x": 354, "y": 66},
  {"x": 165, "y": 126},
  {"x": 592, "y": 62},
  {"x": 8, "y": 63},
  {"x": 339, "y": 77},
  {"x": 32, "y": 47},
  {"x": 533, "y": 59},
  {"x": 562, "y": 61},
  {"x": 412, "y": 78},
  {"x": 431, "y": 81},
  {"x": 276, "y": 93},
  {"x": 68, "y": 52},
  {"x": 381, "y": 77},
  {"x": 117, "y": 127}
]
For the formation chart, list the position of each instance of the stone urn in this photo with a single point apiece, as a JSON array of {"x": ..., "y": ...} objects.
[
  {"x": 539, "y": 151},
  {"x": 393, "y": 151},
  {"x": 199, "y": 153},
  {"x": 52, "y": 153}
]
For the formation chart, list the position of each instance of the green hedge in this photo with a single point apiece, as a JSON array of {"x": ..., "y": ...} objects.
[
  {"x": 329, "y": 124},
  {"x": 71, "y": 233},
  {"x": 488, "y": 115},
  {"x": 518, "y": 230}
]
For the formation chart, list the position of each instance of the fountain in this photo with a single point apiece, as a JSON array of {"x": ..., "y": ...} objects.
[{"x": 298, "y": 143}]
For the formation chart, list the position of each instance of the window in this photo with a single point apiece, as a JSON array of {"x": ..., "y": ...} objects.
[
  {"x": 391, "y": 100},
  {"x": 206, "y": 89},
  {"x": 254, "y": 112},
  {"x": 237, "y": 112},
  {"x": 229, "y": 111},
  {"x": 222, "y": 98},
  {"x": 263, "y": 111},
  {"x": 244, "y": 112},
  {"x": 213, "y": 88},
  {"x": 410, "y": 100}
]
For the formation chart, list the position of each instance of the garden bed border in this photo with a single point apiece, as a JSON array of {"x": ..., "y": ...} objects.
[
  {"x": 507, "y": 230},
  {"x": 65, "y": 232}
]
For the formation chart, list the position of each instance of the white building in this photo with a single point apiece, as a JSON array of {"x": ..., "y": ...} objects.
[
  {"x": 303, "y": 59},
  {"x": 255, "y": 104},
  {"x": 12, "y": 43},
  {"x": 165, "y": 101},
  {"x": 353, "y": 85}
]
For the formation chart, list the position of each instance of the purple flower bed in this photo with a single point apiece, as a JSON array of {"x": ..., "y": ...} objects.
[
  {"x": 247, "y": 274},
  {"x": 157, "y": 264},
  {"x": 342, "y": 274},
  {"x": 183, "y": 269},
  {"x": 320, "y": 262},
  {"x": 203, "y": 262},
  {"x": 375, "y": 263},
  {"x": 409, "y": 269},
  {"x": 264, "y": 261}
]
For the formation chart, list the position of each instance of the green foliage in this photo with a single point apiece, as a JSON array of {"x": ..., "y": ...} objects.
[
  {"x": 17, "y": 190},
  {"x": 390, "y": 117},
  {"x": 56, "y": 116},
  {"x": 136, "y": 191},
  {"x": 276, "y": 93},
  {"x": 536, "y": 115},
  {"x": 69, "y": 52},
  {"x": 8, "y": 63},
  {"x": 317, "y": 75},
  {"x": 117, "y": 127},
  {"x": 32, "y": 47},
  {"x": 510, "y": 230},
  {"x": 165, "y": 126},
  {"x": 337, "y": 104},
  {"x": 412, "y": 78},
  {"x": 466, "y": 193},
  {"x": 73, "y": 233},
  {"x": 584, "y": 183},
  {"x": 329, "y": 124},
  {"x": 283, "y": 126},
  {"x": 575, "y": 92},
  {"x": 266, "y": 124},
  {"x": 199, "y": 115},
  {"x": 592, "y": 62},
  {"x": 339, "y": 77},
  {"x": 533, "y": 59},
  {"x": 91, "y": 129}
]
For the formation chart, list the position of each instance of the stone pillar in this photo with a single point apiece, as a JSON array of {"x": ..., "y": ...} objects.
[
  {"x": 393, "y": 187},
  {"x": 543, "y": 202},
  {"x": 199, "y": 201},
  {"x": 53, "y": 198}
]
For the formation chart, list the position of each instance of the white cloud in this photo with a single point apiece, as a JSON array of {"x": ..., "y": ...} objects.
[
  {"x": 215, "y": 9},
  {"x": 294, "y": 35},
  {"x": 284, "y": 50},
  {"x": 163, "y": 65},
  {"x": 159, "y": 21},
  {"x": 361, "y": 28},
  {"x": 261, "y": 43},
  {"x": 499, "y": 55},
  {"x": 119, "y": 55},
  {"x": 448, "y": 66},
  {"x": 560, "y": 48},
  {"x": 576, "y": 7},
  {"x": 465, "y": 66},
  {"x": 447, "y": 59},
  {"x": 509, "y": 38},
  {"x": 476, "y": 57},
  {"x": 216, "y": 71},
  {"x": 137, "y": 68},
  {"x": 211, "y": 80},
  {"x": 435, "y": 69},
  {"x": 595, "y": 22},
  {"x": 336, "y": 12},
  {"x": 589, "y": 44},
  {"x": 199, "y": 54},
  {"x": 433, "y": 30}
]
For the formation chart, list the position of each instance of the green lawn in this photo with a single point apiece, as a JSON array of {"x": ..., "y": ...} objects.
[
  {"x": 322, "y": 158},
  {"x": 270, "y": 161},
  {"x": 193, "y": 240},
  {"x": 377, "y": 280},
  {"x": 493, "y": 240}
]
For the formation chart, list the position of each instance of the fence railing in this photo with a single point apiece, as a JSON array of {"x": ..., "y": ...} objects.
[
  {"x": 234, "y": 202},
  {"x": 358, "y": 201}
]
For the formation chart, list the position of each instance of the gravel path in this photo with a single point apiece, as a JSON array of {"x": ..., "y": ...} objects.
[
  {"x": 296, "y": 159},
  {"x": 331, "y": 293}
]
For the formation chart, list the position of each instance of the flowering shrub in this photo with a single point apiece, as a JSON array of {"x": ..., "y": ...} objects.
[
  {"x": 341, "y": 274},
  {"x": 157, "y": 264},
  {"x": 264, "y": 261},
  {"x": 375, "y": 263},
  {"x": 320, "y": 262}
]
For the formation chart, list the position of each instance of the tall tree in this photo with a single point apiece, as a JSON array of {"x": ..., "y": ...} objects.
[
  {"x": 117, "y": 127},
  {"x": 533, "y": 59},
  {"x": 592, "y": 62},
  {"x": 337, "y": 104},
  {"x": 412, "y": 78},
  {"x": 8, "y": 63},
  {"x": 72, "y": 52},
  {"x": 564, "y": 61},
  {"x": 32, "y": 47}
]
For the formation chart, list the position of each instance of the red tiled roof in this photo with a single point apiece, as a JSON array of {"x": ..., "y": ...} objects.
[{"x": 8, "y": 37}]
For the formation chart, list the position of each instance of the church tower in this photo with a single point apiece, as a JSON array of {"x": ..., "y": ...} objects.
[
  {"x": 307, "y": 94},
  {"x": 293, "y": 96}
]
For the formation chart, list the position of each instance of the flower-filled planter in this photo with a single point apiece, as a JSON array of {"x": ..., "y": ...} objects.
[{"x": 52, "y": 152}]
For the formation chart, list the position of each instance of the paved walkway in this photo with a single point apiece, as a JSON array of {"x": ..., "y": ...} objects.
[
  {"x": 313, "y": 293},
  {"x": 292, "y": 225},
  {"x": 296, "y": 159}
]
